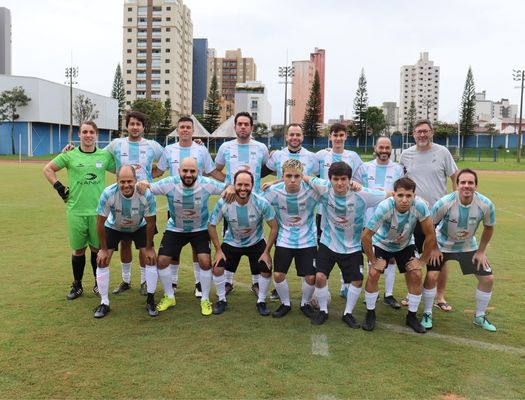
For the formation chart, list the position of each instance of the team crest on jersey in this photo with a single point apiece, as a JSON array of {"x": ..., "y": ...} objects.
[
  {"x": 294, "y": 221},
  {"x": 461, "y": 235},
  {"x": 98, "y": 164},
  {"x": 472, "y": 220}
]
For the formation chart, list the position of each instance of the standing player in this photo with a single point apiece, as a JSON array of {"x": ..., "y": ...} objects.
[
  {"x": 124, "y": 214},
  {"x": 86, "y": 169},
  {"x": 381, "y": 173},
  {"x": 244, "y": 237},
  {"x": 459, "y": 215},
  {"x": 390, "y": 231}
]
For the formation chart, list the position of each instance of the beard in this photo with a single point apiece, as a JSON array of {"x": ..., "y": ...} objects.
[{"x": 185, "y": 181}]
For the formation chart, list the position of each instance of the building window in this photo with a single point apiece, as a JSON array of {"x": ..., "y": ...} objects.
[
  {"x": 128, "y": 82},
  {"x": 168, "y": 39},
  {"x": 168, "y": 50},
  {"x": 168, "y": 29},
  {"x": 128, "y": 71},
  {"x": 129, "y": 40},
  {"x": 254, "y": 105},
  {"x": 166, "y": 81},
  {"x": 128, "y": 102},
  {"x": 129, "y": 29},
  {"x": 167, "y": 60},
  {"x": 168, "y": 8},
  {"x": 128, "y": 91},
  {"x": 130, "y": 9},
  {"x": 128, "y": 61},
  {"x": 167, "y": 92},
  {"x": 168, "y": 19},
  {"x": 128, "y": 50},
  {"x": 254, "y": 116},
  {"x": 167, "y": 71},
  {"x": 130, "y": 19}
]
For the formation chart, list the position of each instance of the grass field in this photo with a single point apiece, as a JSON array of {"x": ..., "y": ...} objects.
[{"x": 54, "y": 348}]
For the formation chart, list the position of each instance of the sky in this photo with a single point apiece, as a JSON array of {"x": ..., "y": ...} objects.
[{"x": 379, "y": 36}]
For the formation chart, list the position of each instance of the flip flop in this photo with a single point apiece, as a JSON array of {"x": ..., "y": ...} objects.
[
  {"x": 404, "y": 302},
  {"x": 443, "y": 306}
]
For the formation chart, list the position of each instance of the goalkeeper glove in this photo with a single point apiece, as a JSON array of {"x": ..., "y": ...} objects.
[{"x": 63, "y": 191}]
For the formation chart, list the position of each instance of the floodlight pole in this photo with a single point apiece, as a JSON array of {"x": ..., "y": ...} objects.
[
  {"x": 286, "y": 72},
  {"x": 520, "y": 75},
  {"x": 71, "y": 73}
]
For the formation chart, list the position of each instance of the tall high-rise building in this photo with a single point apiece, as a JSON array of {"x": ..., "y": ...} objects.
[
  {"x": 419, "y": 82},
  {"x": 5, "y": 41},
  {"x": 200, "y": 73},
  {"x": 157, "y": 59}
]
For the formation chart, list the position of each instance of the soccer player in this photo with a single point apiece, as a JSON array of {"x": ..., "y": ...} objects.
[
  {"x": 294, "y": 203},
  {"x": 188, "y": 195},
  {"x": 243, "y": 237},
  {"x": 124, "y": 214},
  {"x": 343, "y": 216},
  {"x": 459, "y": 215},
  {"x": 86, "y": 169},
  {"x": 390, "y": 232},
  {"x": 381, "y": 173}
]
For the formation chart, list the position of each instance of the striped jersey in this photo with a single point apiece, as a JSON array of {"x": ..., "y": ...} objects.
[
  {"x": 140, "y": 154},
  {"x": 251, "y": 157},
  {"x": 295, "y": 215},
  {"x": 175, "y": 153},
  {"x": 245, "y": 222},
  {"x": 328, "y": 157},
  {"x": 458, "y": 223},
  {"x": 125, "y": 214},
  {"x": 307, "y": 158},
  {"x": 188, "y": 205},
  {"x": 393, "y": 230},
  {"x": 343, "y": 216}
]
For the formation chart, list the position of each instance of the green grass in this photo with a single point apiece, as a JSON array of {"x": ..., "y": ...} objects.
[{"x": 54, "y": 348}]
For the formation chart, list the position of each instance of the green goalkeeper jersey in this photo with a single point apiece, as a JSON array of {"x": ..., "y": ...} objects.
[{"x": 86, "y": 174}]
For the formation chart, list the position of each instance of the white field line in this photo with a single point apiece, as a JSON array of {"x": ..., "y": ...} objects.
[
  {"x": 320, "y": 345},
  {"x": 326, "y": 397},
  {"x": 510, "y": 212}
]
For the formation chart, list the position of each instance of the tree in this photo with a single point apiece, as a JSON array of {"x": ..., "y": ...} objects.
[
  {"x": 154, "y": 111},
  {"x": 468, "y": 106},
  {"x": 260, "y": 129},
  {"x": 84, "y": 109},
  {"x": 212, "y": 107},
  {"x": 411, "y": 117},
  {"x": 361, "y": 105},
  {"x": 375, "y": 120},
  {"x": 491, "y": 129},
  {"x": 167, "y": 114},
  {"x": 10, "y": 100},
  {"x": 444, "y": 129},
  {"x": 313, "y": 109},
  {"x": 118, "y": 92}
]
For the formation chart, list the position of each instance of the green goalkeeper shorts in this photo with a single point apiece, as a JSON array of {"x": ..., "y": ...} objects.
[{"x": 82, "y": 231}]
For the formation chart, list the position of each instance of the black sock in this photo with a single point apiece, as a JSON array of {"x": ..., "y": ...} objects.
[
  {"x": 94, "y": 264},
  {"x": 151, "y": 298},
  {"x": 78, "y": 263}
]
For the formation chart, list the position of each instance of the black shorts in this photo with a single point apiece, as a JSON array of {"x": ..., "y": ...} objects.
[
  {"x": 318, "y": 225},
  {"x": 114, "y": 237},
  {"x": 351, "y": 265},
  {"x": 173, "y": 242},
  {"x": 465, "y": 262},
  {"x": 234, "y": 254},
  {"x": 402, "y": 257},
  {"x": 304, "y": 260}
]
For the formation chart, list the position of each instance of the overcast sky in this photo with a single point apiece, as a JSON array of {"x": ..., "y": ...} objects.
[{"x": 377, "y": 36}]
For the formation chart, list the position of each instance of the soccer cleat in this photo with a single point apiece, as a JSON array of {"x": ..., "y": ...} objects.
[
  {"x": 343, "y": 292},
  {"x": 143, "y": 289},
  {"x": 206, "y": 307},
  {"x": 228, "y": 287},
  {"x": 392, "y": 302},
  {"x": 483, "y": 322},
  {"x": 255, "y": 289},
  {"x": 122, "y": 287},
  {"x": 198, "y": 290},
  {"x": 412, "y": 322},
  {"x": 274, "y": 296},
  {"x": 370, "y": 320},
  {"x": 308, "y": 310},
  {"x": 152, "y": 310},
  {"x": 281, "y": 311},
  {"x": 165, "y": 303},
  {"x": 219, "y": 307},
  {"x": 101, "y": 311},
  {"x": 95, "y": 290},
  {"x": 76, "y": 291},
  {"x": 319, "y": 318},
  {"x": 262, "y": 309},
  {"x": 426, "y": 321},
  {"x": 351, "y": 321}
]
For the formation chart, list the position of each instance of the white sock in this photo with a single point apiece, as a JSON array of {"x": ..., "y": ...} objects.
[
  {"x": 428, "y": 299},
  {"x": 307, "y": 292},
  {"x": 413, "y": 302},
  {"x": 351, "y": 298},
  {"x": 205, "y": 277},
  {"x": 126, "y": 272},
  {"x": 165, "y": 280},
  {"x": 342, "y": 281},
  {"x": 228, "y": 276},
  {"x": 151, "y": 278},
  {"x": 283, "y": 291},
  {"x": 322, "y": 298},
  {"x": 371, "y": 299},
  {"x": 142, "y": 274},
  {"x": 196, "y": 271},
  {"x": 390, "y": 279},
  {"x": 255, "y": 278},
  {"x": 174, "y": 269},
  {"x": 219, "y": 286},
  {"x": 103, "y": 284},
  {"x": 482, "y": 302},
  {"x": 264, "y": 285}
]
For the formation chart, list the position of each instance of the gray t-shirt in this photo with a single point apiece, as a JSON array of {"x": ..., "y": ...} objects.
[{"x": 430, "y": 170}]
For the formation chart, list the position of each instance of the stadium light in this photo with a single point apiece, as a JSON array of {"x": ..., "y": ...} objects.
[
  {"x": 518, "y": 75},
  {"x": 71, "y": 73}
]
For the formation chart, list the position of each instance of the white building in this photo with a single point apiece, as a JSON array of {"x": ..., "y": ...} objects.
[
  {"x": 391, "y": 112},
  {"x": 251, "y": 97},
  {"x": 486, "y": 110}
]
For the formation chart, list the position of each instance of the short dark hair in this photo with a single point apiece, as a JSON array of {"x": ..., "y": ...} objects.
[
  {"x": 184, "y": 119},
  {"x": 337, "y": 127},
  {"x": 242, "y": 171},
  {"x": 90, "y": 123},
  {"x": 137, "y": 115},
  {"x": 294, "y": 124},
  {"x": 243, "y": 114},
  {"x": 340, "y": 168},
  {"x": 467, "y": 171},
  {"x": 423, "y": 121},
  {"x": 405, "y": 183}
]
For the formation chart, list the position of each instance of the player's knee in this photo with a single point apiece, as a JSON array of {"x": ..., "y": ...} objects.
[
  {"x": 279, "y": 277},
  {"x": 163, "y": 262},
  {"x": 431, "y": 279},
  {"x": 310, "y": 279},
  {"x": 320, "y": 280},
  {"x": 373, "y": 274}
]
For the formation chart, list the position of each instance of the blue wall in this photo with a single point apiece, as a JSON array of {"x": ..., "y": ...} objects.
[{"x": 200, "y": 74}]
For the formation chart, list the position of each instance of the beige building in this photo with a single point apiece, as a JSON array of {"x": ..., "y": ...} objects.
[{"x": 157, "y": 56}]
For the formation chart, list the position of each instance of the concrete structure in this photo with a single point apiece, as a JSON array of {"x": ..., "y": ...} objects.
[
  {"x": 486, "y": 110},
  {"x": 157, "y": 54},
  {"x": 419, "y": 82},
  {"x": 252, "y": 97},
  {"x": 391, "y": 112},
  {"x": 5, "y": 41},
  {"x": 484, "y": 107},
  {"x": 200, "y": 75},
  {"x": 43, "y": 125}
]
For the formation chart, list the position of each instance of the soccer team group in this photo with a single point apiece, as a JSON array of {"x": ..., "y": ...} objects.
[{"x": 323, "y": 208}]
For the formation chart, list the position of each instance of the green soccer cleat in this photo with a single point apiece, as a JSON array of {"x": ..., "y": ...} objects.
[
  {"x": 165, "y": 303},
  {"x": 426, "y": 321},
  {"x": 483, "y": 322},
  {"x": 206, "y": 308}
]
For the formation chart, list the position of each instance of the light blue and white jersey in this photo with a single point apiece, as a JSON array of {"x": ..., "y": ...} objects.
[
  {"x": 139, "y": 154},
  {"x": 125, "y": 214},
  {"x": 188, "y": 205},
  {"x": 342, "y": 217},
  {"x": 245, "y": 222},
  {"x": 295, "y": 215},
  {"x": 307, "y": 158},
  {"x": 458, "y": 223},
  {"x": 394, "y": 230},
  {"x": 328, "y": 157},
  {"x": 175, "y": 153},
  {"x": 249, "y": 157}
]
